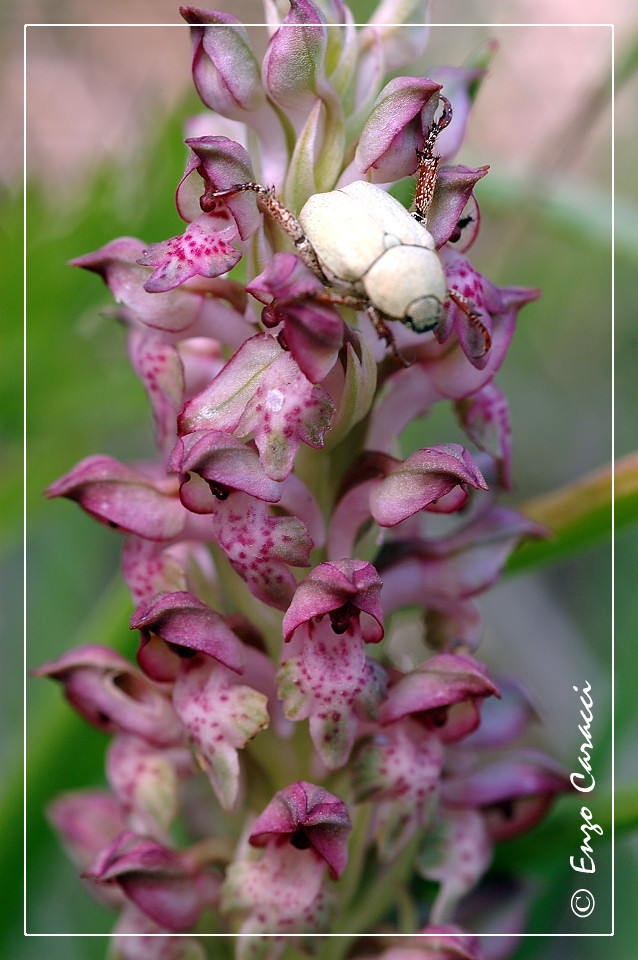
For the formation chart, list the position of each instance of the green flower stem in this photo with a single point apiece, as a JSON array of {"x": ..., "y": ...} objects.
[
  {"x": 374, "y": 901},
  {"x": 358, "y": 846},
  {"x": 281, "y": 762},
  {"x": 313, "y": 468},
  {"x": 580, "y": 514},
  {"x": 211, "y": 850}
]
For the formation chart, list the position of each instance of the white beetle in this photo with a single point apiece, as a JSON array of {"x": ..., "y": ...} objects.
[
  {"x": 367, "y": 244},
  {"x": 370, "y": 252}
]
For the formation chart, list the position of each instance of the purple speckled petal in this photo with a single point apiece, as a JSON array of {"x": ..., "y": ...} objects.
[
  {"x": 174, "y": 311},
  {"x": 204, "y": 249},
  {"x": 463, "y": 858},
  {"x": 276, "y": 889},
  {"x": 333, "y": 684},
  {"x": 146, "y": 781},
  {"x": 220, "y": 717},
  {"x": 261, "y": 547},
  {"x": 150, "y": 568},
  {"x": 399, "y": 769},
  {"x": 285, "y": 411},
  {"x": 485, "y": 418},
  {"x": 159, "y": 367}
]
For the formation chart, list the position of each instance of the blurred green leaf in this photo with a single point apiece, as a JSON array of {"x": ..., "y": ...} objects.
[{"x": 580, "y": 514}]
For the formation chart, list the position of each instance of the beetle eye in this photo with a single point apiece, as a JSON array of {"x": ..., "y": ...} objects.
[{"x": 423, "y": 314}]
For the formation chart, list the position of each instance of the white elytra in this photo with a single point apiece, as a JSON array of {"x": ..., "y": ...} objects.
[{"x": 367, "y": 242}]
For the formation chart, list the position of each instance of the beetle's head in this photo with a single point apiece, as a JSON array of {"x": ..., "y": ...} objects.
[{"x": 423, "y": 314}]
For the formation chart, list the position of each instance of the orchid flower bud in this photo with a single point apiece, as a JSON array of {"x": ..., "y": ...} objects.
[
  {"x": 225, "y": 70},
  {"x": 156, "y": 879},
  {"x": 113, "y": 696},
  {"x": 395, "y": 129},
  {"x": 146, "y": 781},
  {"x": 186, "y": 626},
  {"x": 313, "y": 331},
  {"x": 122, "y": 498},
  {"x": 217, "y": 163}
]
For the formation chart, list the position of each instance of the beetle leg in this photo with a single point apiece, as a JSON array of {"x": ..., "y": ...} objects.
[
  {"x": 386, "y": 334},
  {"x": 287, "y": 221},
  {"x": 429, "y": 164},
  {"x": 358, "y": 303},
  {"x": 472, "y": 314}
]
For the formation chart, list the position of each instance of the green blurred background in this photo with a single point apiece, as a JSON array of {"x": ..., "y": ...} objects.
[{"x": 106, "y": 151}]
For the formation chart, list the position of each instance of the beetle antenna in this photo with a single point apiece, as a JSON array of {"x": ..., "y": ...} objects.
[
  {"x": 429, "y": 164},
  {"x": 473, "y": 317}
]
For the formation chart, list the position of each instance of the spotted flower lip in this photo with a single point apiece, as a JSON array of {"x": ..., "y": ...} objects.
[
  {"x": 485, "y": 418},
  {"x": 332, "y": 586},
  {"x": 204, "y": 249},
  {"x": 307, "y": 816},
  {"x": 219, "y": 714},
  {"x": 188, "y": 625}
]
